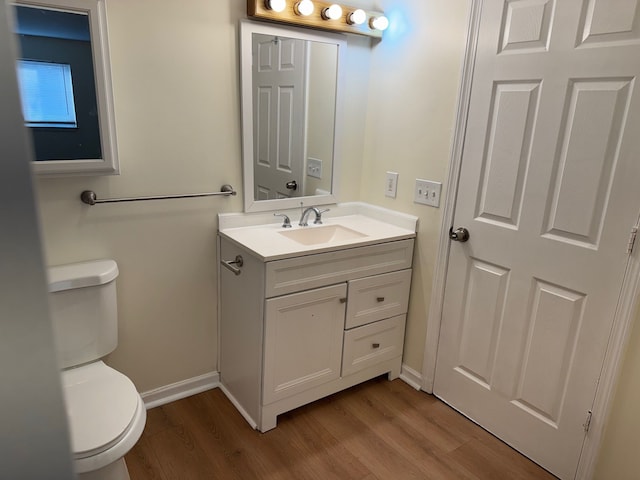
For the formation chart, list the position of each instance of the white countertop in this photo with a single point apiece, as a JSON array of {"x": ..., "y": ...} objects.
[{"x": 267, "y": 243}]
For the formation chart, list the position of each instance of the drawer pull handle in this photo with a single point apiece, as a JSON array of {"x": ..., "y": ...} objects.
[
  {"x": 343, "y": 300},
  {"x": 231, "y": 264},
  {"x": 380, "y": 299},
  {"x": 375, "y": 345}
]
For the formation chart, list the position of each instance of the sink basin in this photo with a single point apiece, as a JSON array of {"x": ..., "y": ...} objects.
[{"x": 325, "y": 234}]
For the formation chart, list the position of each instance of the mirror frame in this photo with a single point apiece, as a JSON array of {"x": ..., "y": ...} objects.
[
  {"x": 247, "y": 28},
  {"x": 108, "y": 164}
]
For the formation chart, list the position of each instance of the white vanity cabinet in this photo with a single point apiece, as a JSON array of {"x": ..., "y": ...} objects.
[{"x": 297, "y": 329}]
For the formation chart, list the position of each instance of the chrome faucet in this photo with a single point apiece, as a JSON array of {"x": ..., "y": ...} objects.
[{"x": 305, "y": 215}]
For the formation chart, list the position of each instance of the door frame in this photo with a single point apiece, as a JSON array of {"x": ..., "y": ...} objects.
[
  {"x": 628, "y": 299},
  {"x": 28, "y": 361}
]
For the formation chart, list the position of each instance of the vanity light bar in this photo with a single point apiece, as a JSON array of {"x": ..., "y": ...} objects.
[{"x": 318, "y": 14}]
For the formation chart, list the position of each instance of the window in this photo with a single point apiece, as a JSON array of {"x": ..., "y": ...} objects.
[{"x": 46, "y": 92}]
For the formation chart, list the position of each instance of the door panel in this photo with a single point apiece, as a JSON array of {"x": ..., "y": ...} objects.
[
  {"x": 587, "y": 159},
  {"x": 511, "y": 119},
  {"x": 610, "y": 21},
  {"x": 553, "y": 327},
  {"x": 485, "y": 296},
  {"x": 546, "y": 189},
  {"x": 526, "y": 25}
]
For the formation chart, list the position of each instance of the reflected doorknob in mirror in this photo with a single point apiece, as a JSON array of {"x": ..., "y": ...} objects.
[{"x": 292, "y": 185}]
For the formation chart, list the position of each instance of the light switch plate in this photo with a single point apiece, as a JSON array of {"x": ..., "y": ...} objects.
[
  {"x": 314, "y": 168},
  {"x": 391, "y": 185},
  {"x": 427, "y": 192}
]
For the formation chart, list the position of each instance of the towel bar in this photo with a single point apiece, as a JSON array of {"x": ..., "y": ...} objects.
[{"x": 90, "y": 198}]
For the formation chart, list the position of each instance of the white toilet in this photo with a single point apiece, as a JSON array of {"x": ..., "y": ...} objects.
[{"x": 106, "y": 413}]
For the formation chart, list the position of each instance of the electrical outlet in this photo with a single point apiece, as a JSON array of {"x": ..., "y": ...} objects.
[
  {"x": 391, "y": 185},
  {"x": 427, "y": 192},
  {"x": 314, "y": 168}
]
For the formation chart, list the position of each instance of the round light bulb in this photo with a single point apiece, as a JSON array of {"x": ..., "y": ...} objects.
[
  {"x": 276, "y": 5},
  {"x": 304, "y": 8},
  {"x": 333, "y": 12},
  {"x": 357, "y": 17},
  {"x": 380, "y": 23}
]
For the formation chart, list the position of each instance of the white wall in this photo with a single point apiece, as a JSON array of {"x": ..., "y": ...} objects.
[
  {"x": 175, "y": 88},
  {"x": 415, "y": 74},
  {"x": 177, "y": 107}
]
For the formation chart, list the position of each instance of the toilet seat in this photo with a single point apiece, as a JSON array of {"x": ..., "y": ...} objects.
[{"x": 106, "y": 414}]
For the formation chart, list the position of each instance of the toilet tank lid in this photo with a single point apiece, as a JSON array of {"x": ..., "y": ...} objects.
[{"x": 78, "y": 275}]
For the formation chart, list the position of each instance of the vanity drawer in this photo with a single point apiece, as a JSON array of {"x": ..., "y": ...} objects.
[
  {"x": 321, "y": 269},
  {"x": 376, "y": 342},
  {"x": 377, "y": 297}
]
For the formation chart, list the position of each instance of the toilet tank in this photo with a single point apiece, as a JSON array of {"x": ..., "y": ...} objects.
[{"x": 84, "y": 312}]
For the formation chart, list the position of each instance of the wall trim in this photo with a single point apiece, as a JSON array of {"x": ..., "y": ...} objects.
[
  {"x": 411, "y": 377},
  {"x": 449, "y": 204},
  {"x": 179, "y": 390},
  {"x": 612, "y": 366}
]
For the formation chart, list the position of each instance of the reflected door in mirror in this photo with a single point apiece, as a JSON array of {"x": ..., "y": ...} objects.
[{"x": 279, "y": 83}]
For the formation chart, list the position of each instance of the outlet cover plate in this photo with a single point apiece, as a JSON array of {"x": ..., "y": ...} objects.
[
  {"x": 427, "y": 192},
  {"x": 391, "y": 185}
]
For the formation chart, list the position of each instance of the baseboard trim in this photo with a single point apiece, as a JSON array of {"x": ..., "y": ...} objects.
[
  {"x": 179, "y": 390},
  {"x": 192, "y": 386},
  {"x": 239, "y": 407},
  {"x": 411, "y": 377}
]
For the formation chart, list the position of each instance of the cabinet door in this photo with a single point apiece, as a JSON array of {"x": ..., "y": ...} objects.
[{"x": 303, "y": 341}]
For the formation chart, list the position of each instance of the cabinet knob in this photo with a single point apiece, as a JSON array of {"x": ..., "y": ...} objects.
[
  {"x": 343, "y": 300},
  {"x": 380, "y": 299},
  {"x": 375, "y": 345}
]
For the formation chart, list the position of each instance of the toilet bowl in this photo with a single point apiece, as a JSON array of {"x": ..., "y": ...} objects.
[{"x": 106, "y": 414}]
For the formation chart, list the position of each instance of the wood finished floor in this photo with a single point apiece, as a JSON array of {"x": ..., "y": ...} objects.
[{"x": 378, "y": 430}]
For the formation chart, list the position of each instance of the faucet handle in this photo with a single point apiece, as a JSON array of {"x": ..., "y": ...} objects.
[
  {"x": 319, "y": 213},
  {"x": 286, "y": 223}
]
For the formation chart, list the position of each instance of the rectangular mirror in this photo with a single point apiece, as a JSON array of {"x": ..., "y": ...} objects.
[
  {"x": 292, "y": 84},
  {"x": 65, "y": 85}
]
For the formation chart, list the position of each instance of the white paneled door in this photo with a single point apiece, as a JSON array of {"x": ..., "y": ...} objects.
[
  {"x": 279, "y": 83},
  {"x": 549, "y": 192}
]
